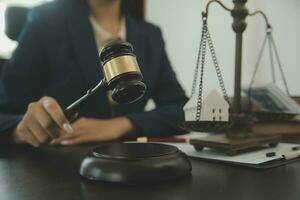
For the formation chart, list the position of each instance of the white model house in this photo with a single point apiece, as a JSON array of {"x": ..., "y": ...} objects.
[{"x": 214, "y": 108}]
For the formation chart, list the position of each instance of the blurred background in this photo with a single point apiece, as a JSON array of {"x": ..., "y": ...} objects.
[{"x": 180, "y": 21}]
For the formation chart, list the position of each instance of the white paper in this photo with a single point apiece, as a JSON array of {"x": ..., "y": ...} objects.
[{"x": 254, "y": 157}]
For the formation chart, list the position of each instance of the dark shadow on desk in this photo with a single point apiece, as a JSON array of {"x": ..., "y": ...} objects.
[{"x": 179, "y": 188}]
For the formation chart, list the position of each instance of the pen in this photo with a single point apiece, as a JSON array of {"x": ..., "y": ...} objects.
[{"x": 161, "y": 139}]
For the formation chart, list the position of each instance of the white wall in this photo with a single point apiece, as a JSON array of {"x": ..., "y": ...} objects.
[{"x": 180, "y": 21}]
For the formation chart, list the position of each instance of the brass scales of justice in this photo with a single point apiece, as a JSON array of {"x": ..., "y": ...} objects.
[{"x": 236, "y": 135}]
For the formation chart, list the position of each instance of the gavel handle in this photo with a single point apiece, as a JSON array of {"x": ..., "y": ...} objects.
[{"x": 71, "y": 112}]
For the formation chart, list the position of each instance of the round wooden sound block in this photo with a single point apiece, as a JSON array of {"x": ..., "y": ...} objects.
[{"x": 132, "y": 163}]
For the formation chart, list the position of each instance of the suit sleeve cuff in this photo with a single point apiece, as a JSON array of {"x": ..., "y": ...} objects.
[{"x": 142, "y": 123}]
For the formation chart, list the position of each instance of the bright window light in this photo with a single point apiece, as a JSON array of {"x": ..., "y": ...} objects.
[{"x": 7, "y": 46}]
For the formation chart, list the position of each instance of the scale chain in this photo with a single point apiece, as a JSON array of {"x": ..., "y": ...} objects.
[
  {"x": 279, "y": 65},
  {"x": 202, "y": 52},
  {"x": 217, "y": 67},
  {"x": 196, "y": 72},
  {"x": 271, "y": 58},
  {"x": 257, "y": 64},
  {"x": 206, "y": 39},
  {"x": 272, "y": 46}
]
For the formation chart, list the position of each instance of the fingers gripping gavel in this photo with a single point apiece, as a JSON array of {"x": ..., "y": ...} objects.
[{"x": 46, "y": 120}]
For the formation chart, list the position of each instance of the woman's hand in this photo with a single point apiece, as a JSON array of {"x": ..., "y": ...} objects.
[
  {"x": 94, "y": 130},
  {"x": 43, "y": 121}
]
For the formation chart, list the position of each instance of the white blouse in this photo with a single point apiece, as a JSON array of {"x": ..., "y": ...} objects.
[{"x": 102, "y": 36}]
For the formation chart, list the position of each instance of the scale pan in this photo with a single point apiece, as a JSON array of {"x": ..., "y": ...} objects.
[{"x": 266, "y": 116}]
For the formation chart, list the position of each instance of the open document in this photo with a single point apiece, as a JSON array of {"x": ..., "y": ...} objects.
[{"x": 281, "y": 154}]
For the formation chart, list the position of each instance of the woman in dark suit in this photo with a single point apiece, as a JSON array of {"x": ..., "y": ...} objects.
[{"x": 57, "y": 61}]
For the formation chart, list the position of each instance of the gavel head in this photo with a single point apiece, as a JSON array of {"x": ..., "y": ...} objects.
[{"x": 122, "y": 72}]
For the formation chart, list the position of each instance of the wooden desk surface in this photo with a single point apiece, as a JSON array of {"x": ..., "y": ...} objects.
[{"x": 52, "y": 174}]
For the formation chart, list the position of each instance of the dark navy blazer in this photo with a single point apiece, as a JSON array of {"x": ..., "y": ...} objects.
[{"x": 57, "y": 56}]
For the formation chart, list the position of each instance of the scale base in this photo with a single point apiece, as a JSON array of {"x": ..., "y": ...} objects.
[{"x": 233, "y": 146}]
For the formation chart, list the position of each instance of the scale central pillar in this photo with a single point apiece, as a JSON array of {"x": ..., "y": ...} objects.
[{"x": 239, "y": 14}]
